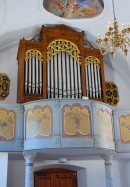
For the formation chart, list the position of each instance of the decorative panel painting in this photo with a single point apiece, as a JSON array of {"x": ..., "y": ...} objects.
[
  {"x": 7, "y": 124},
  {"x": 124, "y": 122},
  {"x": 112, "y": 94},
  {"x": 39, "y": 122},
  {"x": 105, "y": 124},
  {"x": 76, "y": 121},
  {"x": 74, "y": 9},
  {"x": 4, "y": 86}
]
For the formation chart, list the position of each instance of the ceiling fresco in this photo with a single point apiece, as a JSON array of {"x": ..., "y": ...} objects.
[{"x": 74, "y": 9}]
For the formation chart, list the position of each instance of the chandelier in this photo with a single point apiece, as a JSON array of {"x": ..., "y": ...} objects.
[{"x": 114, "y": 39}]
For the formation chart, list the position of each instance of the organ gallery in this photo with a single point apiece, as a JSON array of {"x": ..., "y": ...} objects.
[{"x": 59, "y": 63}]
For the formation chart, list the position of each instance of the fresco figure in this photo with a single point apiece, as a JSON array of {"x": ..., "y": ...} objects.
[
  {"x": 74, "y": 9},
  {"x": 82, "y": 2}
]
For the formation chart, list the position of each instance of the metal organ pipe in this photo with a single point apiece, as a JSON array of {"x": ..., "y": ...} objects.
[
  {"x": 64, "y": 77},
  {"x": 26, "y": 77},
  {"x": 33, "y": 72},
  {"x": 96, "y": 80},
  {"x": 93, "y": 78},
  {"x": 99, "y": 84},
  {"x": 36, "y": 70},
  {"x": 30, "y": 74}
]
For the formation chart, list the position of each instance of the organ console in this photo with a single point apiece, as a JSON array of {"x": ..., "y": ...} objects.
[{"x": 58, "y": 63}]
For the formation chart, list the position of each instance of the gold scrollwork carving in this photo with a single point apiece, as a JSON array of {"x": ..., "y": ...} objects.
[
  {"x": 4, "y": 86},
  {"x": 92, "y": 59},
  {"x": 61, "y": 45},
  {"x": 33, "y": 53}
]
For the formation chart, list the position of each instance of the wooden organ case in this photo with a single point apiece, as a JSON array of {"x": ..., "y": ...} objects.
[{"x": 58, "y": 63}]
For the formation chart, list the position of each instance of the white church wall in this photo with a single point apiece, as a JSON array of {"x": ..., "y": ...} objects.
[
  {"x": 9, "y": 65},
  {"x": 3, "y": 169},
  {"x": 94, "y": 169},
  {"x": 16, "y": 173},
  {"x": 121, "y": 82}
]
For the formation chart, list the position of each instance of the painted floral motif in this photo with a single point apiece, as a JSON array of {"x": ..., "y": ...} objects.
[
  {"x": 124, "y": 122},
  {"x": 105, "y": 124},
  {"x": 7, "y": 125},
  {"x": 74, "y": 9},
  {"x": 38, "y": 122},
  {"x": 76, "y": 121}
]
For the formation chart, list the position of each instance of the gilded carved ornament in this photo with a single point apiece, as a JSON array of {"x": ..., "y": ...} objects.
[
  {"x": 92, "y": 59},
  {"x": 61, "y": 45},
  {"x": 112, "y": 93},
  {"x": 33, "y": 53},
  {"x": 4, "y": 86}
]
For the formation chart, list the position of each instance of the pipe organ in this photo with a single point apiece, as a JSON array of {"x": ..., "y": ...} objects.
[
  {"x": 63, "y": 70},
  {"x": 59, "y": 65}
]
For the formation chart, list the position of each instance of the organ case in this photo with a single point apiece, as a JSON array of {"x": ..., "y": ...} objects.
[{"x": 58, "y": 63}]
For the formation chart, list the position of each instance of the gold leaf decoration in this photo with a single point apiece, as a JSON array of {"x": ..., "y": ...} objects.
[
  {"x": 112, "y": 94},
  {"x": 59, "y": 45},
  {"x": 4, "y": 86}
]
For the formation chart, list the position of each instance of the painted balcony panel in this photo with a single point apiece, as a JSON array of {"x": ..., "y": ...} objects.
[
  {"x": 103, "y": 126},
  {"x": 11, "y": 127},
  {"x": 63, "y": 123},
  {"x": 75, "y": 120},
  {"x": 41, "y": 125},
  {"x": 122, "y": 130},
  {"x": 68, "y": 123}
]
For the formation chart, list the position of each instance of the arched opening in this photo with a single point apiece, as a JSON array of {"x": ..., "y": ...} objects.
[{"x": 61, "y": 175}]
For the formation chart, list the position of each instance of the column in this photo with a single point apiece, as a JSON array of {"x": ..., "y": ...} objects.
[
  {"x": 108, "y": 170},
  {"x": 29, "y": 178},
  {"x": 3, "y": 169}
]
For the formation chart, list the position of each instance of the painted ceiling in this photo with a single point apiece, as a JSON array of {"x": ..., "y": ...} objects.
[{"x": 74, "y": 9}]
